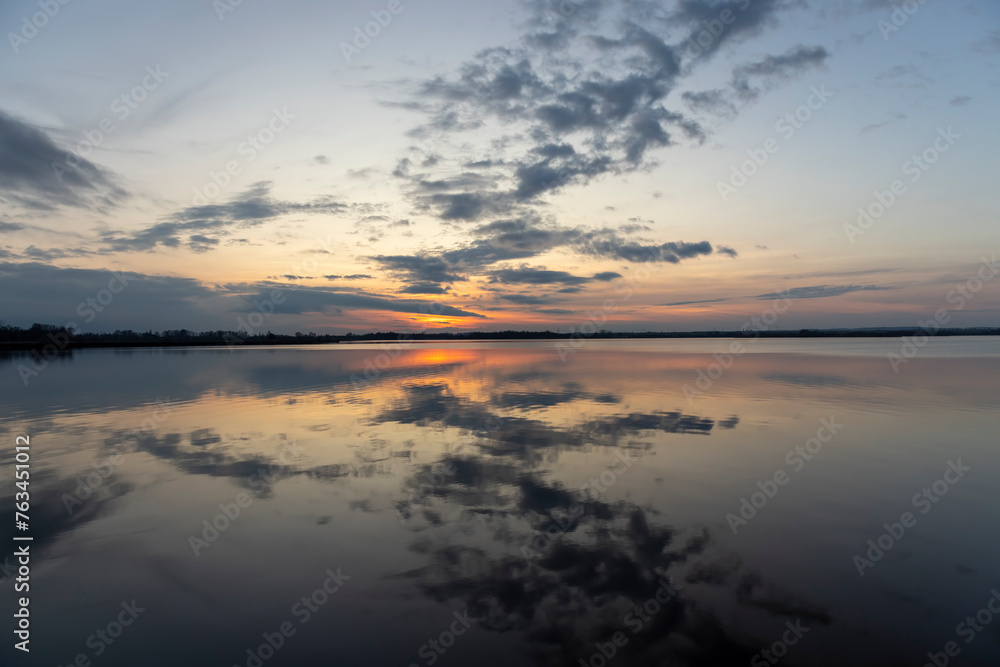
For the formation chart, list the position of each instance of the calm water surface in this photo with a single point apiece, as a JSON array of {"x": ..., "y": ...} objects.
[{"x": 494, "y": 503}]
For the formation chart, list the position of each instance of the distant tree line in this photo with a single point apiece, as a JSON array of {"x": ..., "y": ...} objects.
[{"x": 41, "y": 335}]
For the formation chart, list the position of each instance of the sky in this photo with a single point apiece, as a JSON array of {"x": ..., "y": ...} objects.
[{"x": 526, "y": 164}]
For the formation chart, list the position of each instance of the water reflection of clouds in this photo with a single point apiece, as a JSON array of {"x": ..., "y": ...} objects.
[
  {"x": 503, "y": 438},
  {"x": 608, "y": 554}
]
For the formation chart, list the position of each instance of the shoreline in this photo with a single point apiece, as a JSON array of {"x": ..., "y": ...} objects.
[{"x": 388, "y": 337}]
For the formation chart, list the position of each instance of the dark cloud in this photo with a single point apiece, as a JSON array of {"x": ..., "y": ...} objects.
[
  {"x": 726, "y": 250},
  {"x": 37, "y": 174},
  {"x": 615, "y": 115},
  {"x": 424, "y": 288},
  {"x": 38, "y": 292},
  {"x": 554, "y": 172},
  {"x": 715, "y": 102},
  {"x": 424, "y": 274},
  {"x": 47, "y": 293},
  {"x": 566, "y": 122},
  {"x": 49, "y": 254},
  {"x": 526, "y": 275},
  {"x": 297, "y": 300},
  {"x": 772, "y": 69},
  {"x": 251, "y": 208},
  {"x": 528, "y": 299},
  {"x": 730, "y": 19},
  {"x": 896, "y": 117},
  {"x": 554, "y": 23},
  {"x": 523, "y": 238},
  {"x": 691, "y": 303},
  {"x": 820, "y": 291},
  {"x": 612, "y": 247}
]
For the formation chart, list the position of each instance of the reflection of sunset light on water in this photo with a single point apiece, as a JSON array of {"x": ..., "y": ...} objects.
[{"x": 438, "y": 356}]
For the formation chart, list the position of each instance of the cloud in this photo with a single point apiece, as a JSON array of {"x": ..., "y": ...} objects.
[
  {"x": 190, "y": 226},
  {"x": 820, "y": 291},
  {"x": 896, "y": 116},
  {"x": 37, "y": 174},
  {"x": 566, "y": 123},
  {"x": 772, "y": 69},
  {"x": 527, "y": 299},
  {"x": 37, "y": 292},
  {"x": 424, "y": 288},
  {"x": 578, "y": 124},
  {"x": 522, "y": 238},
  {"x": 610, "y": 246},
  {"x": 726, "y": 250},
  {"x": 526, "y": 275},
  {"x": 424, "y": 274},
  {"x": 691, "y": 303},
  {"x": 46, "y": 293},
  {"x": 715, "y": 102},
  {"x": 747, "y": 19},
  {"x": 298, "y": 300},
  {"x": 960, "y": 100},
  {"x": 47, "y": 255}
]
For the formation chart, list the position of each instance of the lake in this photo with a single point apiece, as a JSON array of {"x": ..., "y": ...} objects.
[{"x": 622, "y": 502}]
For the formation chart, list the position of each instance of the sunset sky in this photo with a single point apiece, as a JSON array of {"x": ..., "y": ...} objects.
[{"x": 519, "y": 164}]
